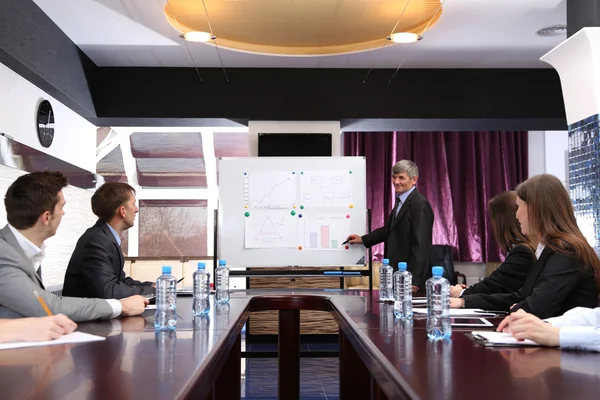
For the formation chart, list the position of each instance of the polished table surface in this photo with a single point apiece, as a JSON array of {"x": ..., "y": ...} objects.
[{"x": 133, "y": 362}]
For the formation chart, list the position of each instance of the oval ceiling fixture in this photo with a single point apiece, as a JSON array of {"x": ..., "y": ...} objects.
[
  {"x": 196, "y": 36},
  {"x": 554, "y": 30},
  {"x": 404, "y": 37},
  {"x": 303, "y": 27}
]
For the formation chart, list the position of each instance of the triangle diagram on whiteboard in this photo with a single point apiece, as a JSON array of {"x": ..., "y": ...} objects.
[{"x": 268, "y": 230}]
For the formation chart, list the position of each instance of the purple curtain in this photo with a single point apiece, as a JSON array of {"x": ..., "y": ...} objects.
[{"x": 459, "y": 173}]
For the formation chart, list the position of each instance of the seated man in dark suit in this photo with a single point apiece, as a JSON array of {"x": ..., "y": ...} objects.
[{"x": 96, "y": 266}]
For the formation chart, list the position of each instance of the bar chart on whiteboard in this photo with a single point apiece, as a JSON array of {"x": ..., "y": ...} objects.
[{"x": 325, "y": 231}]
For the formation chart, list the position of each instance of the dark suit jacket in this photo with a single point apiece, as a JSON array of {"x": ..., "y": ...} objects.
[
  {"x": 96, "y": 268},
  {"x": 407, "y": 237},
  {"x": 556, "y": 284},
  {"x": 510, "y": 276}
]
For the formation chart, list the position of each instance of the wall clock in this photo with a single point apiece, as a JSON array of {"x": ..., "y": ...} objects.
[{"x": 45, "y": 123}]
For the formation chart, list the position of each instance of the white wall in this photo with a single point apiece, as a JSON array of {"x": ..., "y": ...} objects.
[
  {"x": 333, "y": 127},
  {"x": 78, "y": 217},
  {"x": 74, "y": 138},
  {"x": 548, "y": 152}
]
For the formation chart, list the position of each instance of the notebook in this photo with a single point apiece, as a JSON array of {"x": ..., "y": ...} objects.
[
  {"x": 487, "y": 338},
  {"x": 75, "y": 337}
]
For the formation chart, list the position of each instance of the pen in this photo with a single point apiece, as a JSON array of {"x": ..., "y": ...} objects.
[
  {"x": 345, "y": 242},
  {"x": 43, "y": 303},
  {"x": 181, "y": 279},
  {"x": 491, "y": 312}
]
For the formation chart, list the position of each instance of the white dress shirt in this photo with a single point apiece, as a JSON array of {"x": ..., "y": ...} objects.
[
  {"x": 579, "y": 328},
  {"x": 538, "y": 251},
  {"x": 36, "y": 255}
]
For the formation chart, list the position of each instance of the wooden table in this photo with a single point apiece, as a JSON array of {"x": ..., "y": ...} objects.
[{"x": 379, "y": 357}]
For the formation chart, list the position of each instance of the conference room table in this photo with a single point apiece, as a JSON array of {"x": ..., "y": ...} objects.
[{"x": 379, "y": 357}]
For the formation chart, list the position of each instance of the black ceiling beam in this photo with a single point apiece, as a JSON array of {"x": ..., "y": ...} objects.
[
  {"x": 582, "y": 13},
  {"x": 501, "y": 95},
  {"x": 34, "y": 47}
]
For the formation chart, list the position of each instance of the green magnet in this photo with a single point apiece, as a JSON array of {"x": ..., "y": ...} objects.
[
  {"x": 302, "y": 207},
  {"x": 293, "y": 212},
  {"x": 247, "y": 214}
]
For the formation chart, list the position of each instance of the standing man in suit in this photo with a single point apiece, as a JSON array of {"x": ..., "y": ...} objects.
[
  {"x": 408, "y": 229},
  {"x": 34, "y": 208},
  {"x": 96, "y": 266}
]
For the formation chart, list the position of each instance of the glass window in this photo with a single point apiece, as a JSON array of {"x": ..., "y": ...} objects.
[{"x": 172, "y": 228}]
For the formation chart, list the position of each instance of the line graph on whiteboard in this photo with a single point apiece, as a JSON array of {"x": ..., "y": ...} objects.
[{"x": 270, "y": 189}]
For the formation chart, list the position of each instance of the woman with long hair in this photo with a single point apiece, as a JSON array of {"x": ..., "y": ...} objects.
[
  {"x": 519, "y": 250},
  {"x": 567, "y": 271}
]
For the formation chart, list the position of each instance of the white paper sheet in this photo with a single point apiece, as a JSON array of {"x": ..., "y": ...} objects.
[
  {"x": 326, "y": 188},
  {"x": 503, "y": 338},
  {"x": 458, "y": 311},
  {"x": 75, "y": 337},
  {"x": 325, "y": 231},
  {"x": 270, "y": 228},
  {"x": 151, "y": 307},
  {"x": 419, "y": 301},
  {"x": 270, "y": 189}
]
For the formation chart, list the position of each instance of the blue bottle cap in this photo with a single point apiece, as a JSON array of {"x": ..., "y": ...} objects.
[
  {"x": 402, "y": 266},
  {"x": 166, "y": 269},
  {"x": 437, "y": 271},
  {"x": 386, "y": 261},
  {"x": 221, "y": 262},
  {"x": 201, "y": 265}
]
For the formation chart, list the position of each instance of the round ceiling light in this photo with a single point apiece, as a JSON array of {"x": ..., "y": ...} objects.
[
  {"x": 554, "y": 30},
  {"x": 198, "y": 36},
  {"x": 404, "y": 37}
]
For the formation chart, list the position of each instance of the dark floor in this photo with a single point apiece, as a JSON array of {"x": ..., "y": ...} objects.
[{"x": 318, "y": 376}]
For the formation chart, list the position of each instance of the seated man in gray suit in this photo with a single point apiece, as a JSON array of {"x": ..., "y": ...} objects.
[
  {"x": 34, "y": 208},
  {"x": 96, "y": 266}
]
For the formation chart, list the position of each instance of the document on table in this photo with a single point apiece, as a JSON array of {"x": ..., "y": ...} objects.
[
  {"x": 75, "y": 337},
  {"x": 458, "y": 311},
  {"x": 150, "y": 307},
  {"x": 500, "y": 339}
]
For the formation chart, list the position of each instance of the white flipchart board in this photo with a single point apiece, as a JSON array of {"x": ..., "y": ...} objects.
[{"x": 291, "y": 211}]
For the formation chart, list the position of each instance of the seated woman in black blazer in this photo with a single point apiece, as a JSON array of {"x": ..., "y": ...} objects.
[
  {"x": 567, "y": 271},
  {"x": 519, "y": 250}
]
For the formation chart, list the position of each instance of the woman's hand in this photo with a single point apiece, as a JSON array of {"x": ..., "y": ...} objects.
[{"x": 527, "y": 326}]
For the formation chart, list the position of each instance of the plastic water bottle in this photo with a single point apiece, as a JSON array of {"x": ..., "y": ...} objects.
[
  {"x": 438, "y": 305},
  {"x": 386, "y": 282},
  {"x": 403, "y": 292},
  {"x": 222, "y": 280},
  {"x": 166, "y": 301},
  {"x": 201, "y": 304}
]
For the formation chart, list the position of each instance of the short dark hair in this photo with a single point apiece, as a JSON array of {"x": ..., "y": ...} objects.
[
  {"x": 109, "y": 197},
  {"x": 32, "y": 195}
]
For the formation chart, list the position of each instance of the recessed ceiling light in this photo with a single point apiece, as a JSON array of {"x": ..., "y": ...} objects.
[
  {"x": 197, "y": 36},
  {"x": 404, "y": 37},
  {"x": 554, "y": 30}
]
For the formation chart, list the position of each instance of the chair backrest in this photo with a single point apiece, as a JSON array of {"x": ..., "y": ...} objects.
[{"x": 441, "y": 255}]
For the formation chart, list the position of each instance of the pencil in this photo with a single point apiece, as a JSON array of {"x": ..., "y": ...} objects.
[{"x": 43, "y": 303}]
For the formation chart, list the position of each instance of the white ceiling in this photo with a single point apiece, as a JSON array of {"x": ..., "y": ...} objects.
[{"x": 470, "y": 34}]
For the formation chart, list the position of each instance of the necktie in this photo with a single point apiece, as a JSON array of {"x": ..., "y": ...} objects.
[{"x": 397, "y": 206}]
